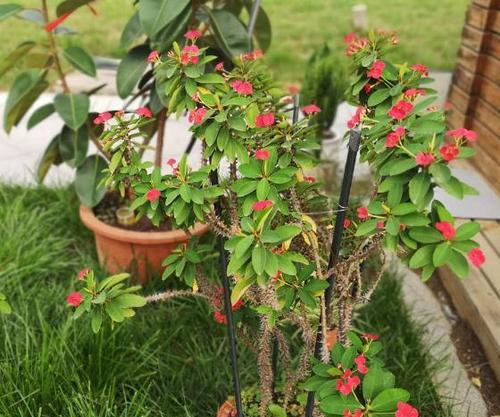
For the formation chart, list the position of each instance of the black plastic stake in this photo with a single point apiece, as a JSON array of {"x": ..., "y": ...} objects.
[
  {"x": 338, "y": 230},
  {"x": 214, "y": 176}
]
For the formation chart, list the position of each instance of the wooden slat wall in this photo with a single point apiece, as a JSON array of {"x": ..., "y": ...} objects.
[{"x": 475, "y": 90}]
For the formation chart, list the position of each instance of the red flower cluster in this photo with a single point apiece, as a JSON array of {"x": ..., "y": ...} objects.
[
  {"x": 446, "y": 229},
  {"x": 196, "y": 116},
  {"x": 74, "y": 299},
  {"x": 354, "y": 121},
  {"x": 476, "y": 257},
  {"x": 422, "y": 69},
  {"x": 406, "y": 410},
  {"x": 243, "y": 88},
  {"x": 144, "y": 112},
  {"x": 189, "y": 55},
  {"x": 449, "y": 152},
  {"x": 376, "y": 69},
  {"x": 192, "y": 35},
  {"x": 252, "y": 56},
  {"x": 400, "y": 110},
  {"x": 461, "y": 132},
  {"x": 220, "y": 317},
  {"x": 370, "y": 336},
  {"x": 153, "y": 195},
  {"x": 261, "y": 205},
  {"x": 355, "y": 413},
  {"x": 394, "y": 137},
  {"x": 414, "y": 92},
  {"x": 83, "y": 274},
  {"x": 360, "y": 362},
  {"x": 347, "y": 382},
  {"x": 424, "y": 159},
  {"x": 363, "y": 213},
  {"x": 311, "y": 109},
  {"x": 347, "y": 223},
  {"x": 354, "y": 43},
  {"x": 264, "y": 119},
  {"x": 308, "y": 178},
  {"x": 103, "y": 118},
  {"x": 153, "y": 56},
  {"x": 262, "y": 154},
  {"x": 219, "y": 66}
]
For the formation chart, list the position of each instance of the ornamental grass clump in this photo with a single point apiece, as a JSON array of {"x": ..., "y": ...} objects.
[{"x": 277, "y": 223}]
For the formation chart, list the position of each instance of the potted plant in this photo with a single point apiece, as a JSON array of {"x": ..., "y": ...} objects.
[
  {"x": 122, "y": 243},
  {"x": 277, "y": 222}
]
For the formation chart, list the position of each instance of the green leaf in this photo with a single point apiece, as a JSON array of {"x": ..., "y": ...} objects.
[
  {"x": 388, "y": 399},
  {"x": 69, "y": 6},
  {"x": 88, "y": 177},
  {"x": 348, "y": 357},
  {"x": 402, "y": 165},
  {"x": 442, "y": 254},
  {"x": 373, "y": 382},
  {"x": 414, "y": 219},
  {"x": 96, "y": 321},
  {"x": 80, "y": 59},
  {"x": 51, "y": 156},
  {"x": 277, "y": 411},
  {"x": 114, "y": 312},
  {"x": 467, "y": 230},
  {"x": 73, "y": 145},
  {"x": 73, "y": 109},
  {"x": 440, "y": 172},
  {"x": 403, "y": 208},
  {"x": 131, "y": 31},
  {"x": 458, "y": 264},
  {"x": 263, "y": 30},
  {"x": 15, "y": 56},
  {"x": 243, "y": 245},
  {"x": 425, "y": 234},
  {"x": 336, "y": 404},
  {"x": 453, "y": 187},
  {"x": 130, "y": 301},
  {"x": 230, "y": 33},
  {"x": 418, "y": 187},
  {"x": 24, "y": 91},
  {"x": 131, "y": 69},
  {"x": 392, "y": 226},
  {"x": 9, "y": 9},
  {"x": 241, "y": 286},
  {"x": 41, "y": 114},
  {"x": 287, "y": 231},
  {"x": 211, "y": 78},
  {"x": 366, "y": 227},
  {"x": 422, "y": 257},
  {"x": 259, "y": 254},
  {"x": 424, "y": 126},
  {"x": 378, "y": 96},
  {"x": 154, "y": 15}
]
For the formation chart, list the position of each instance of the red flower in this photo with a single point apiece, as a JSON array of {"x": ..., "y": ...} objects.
[
  {"x": 220, "y": 317},
  {"x": 103, "y": 118},
  {"x": 363, "y": 213},
  {"x": 347, "y": 382},
  {"x": 461, "y": 132},
  {"x": 347, "y": 223},
  {"x": 356, "y": 44},
  {"x": 476, "y": 257},
  {"x": 252, "y": 56},
  {"x": 422, "y": 69},
  {"x": 406, "y": 410},
  {"x": 394, "y": 137},
  {"x": 237, "y": 305},
  {"x": 447, "y": 106},
  {"x": 380, "y": 224},
  {"x": 189, "y": 55},
  {"x": 56, "y": 22},
  {"x": 309, "y": 179},
  {"x": 219, "y": 66},
  {"x": 293, "y": 89},
  {"x": 171, "y": 162},
  {"x": 449, "y": 152},
  {"x": 370, "y": 336},
  {"x": 424, "y": 159},
  {"x": 243, "y": 88},
  {"x": 354, "y": 121},
  {"x": 262, "y": 154},
  {"x": 153, "y": 56},
  {"x": 376, "y": 69},
  {"x": 446, "y": 229},
  {"x": 192, "y": 34},
  {"x": 119, "y": 113},
  {"x": 144, "y": 112},
  {"x": 355, "y": 413},
  {"x": 264, "y": 119},
  {"x": 414, "y": 92},
  {"x": 83, "y": 274},
  {"x": 400, "y": 110},
  {"x": 153, "y": 195},
  {"x": 261, "y": 205},
  {"x": 196, "y": 116},
  {"x": 360, "y": 362},
  {"x": 310, "y": 109},
  {"x": 368, "y": 88},
  {"x": 350, "y": 38},
  {"x": 74, "y": 299}
]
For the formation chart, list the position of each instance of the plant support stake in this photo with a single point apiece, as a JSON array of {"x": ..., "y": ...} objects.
[
  {"x": 338, "y": 230},
  {"x": 214, "y": 176}
]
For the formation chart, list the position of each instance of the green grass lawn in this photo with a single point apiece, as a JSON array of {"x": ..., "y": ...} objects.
[
  {"x": 429, "y": 30},
  {"x": 170, "y": 360}
]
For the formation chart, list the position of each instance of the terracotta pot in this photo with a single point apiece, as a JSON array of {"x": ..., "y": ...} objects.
[
  {"x": 140, "y": 253},
  {"x": 228, "y": 409}
]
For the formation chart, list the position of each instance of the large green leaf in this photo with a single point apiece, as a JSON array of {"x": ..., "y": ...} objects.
[
  {"x": 69, "y": 6},
  {"x": 263, "y": 30},
  {"x": 80, "y": 59},
  {"x": 131, "y": 31},
  {"x": 422, "y": 257},
  {"x": 388, "y": 399},
  {"x": 50, "y": 157},
  {"x": 154, "y": 15},
  {"x": 73, "y": 108},
  {"x": 41, "y": 114},
  {"x": 173, "y": 31},
  {"x": 73, "y": 145},
  {"x": 88, "y": 177},
  {"x": 418, "y": 187},
  {"x": 25, "y": 89},
  {"x": 230, "y": 33},
  {"x": 9, "y": 9},
  {"x": 131, "y": 69},
  {"x": 442, "y": 254},
  {"x": 336, "y": 404},
  {"x": 13, "y": 58},
  {"x": 467, "y": 231},
  {"x": 458, "y": 264}
]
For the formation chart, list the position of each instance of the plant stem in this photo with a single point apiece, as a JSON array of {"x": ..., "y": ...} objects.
[
  {"x": 53, "y": 49},
  {"x": 162, "y": 117}
]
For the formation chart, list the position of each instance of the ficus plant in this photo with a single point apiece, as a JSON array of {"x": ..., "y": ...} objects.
[
  {"x": 152, "y": 28},
  {"x": 277, "y": 222}
]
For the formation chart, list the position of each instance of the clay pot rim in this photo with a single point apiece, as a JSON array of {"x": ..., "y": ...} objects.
[{"x": 132, "y": 236}]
